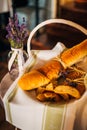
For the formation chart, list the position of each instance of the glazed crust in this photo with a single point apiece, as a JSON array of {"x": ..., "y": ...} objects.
[
  {"x": 32, "y": 80},
  {"x": 51, "y": 69},
  {"x": 41, "y": 76},
  {"x": 74, "y": 54}
]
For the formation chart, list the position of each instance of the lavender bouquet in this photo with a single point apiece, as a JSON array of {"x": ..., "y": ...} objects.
[
  {"x": 16, "y": 33},
  {"x": 17, "y": 56}
]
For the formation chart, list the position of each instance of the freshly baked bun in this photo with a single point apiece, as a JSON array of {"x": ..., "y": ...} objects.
[
  {"x": 74, "y": 54},
  {"x": 32, "y": 80},
  {"x": 51, "y": 69}
]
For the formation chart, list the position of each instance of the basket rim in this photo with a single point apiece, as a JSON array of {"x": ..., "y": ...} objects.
[{"x": 49, "y": 21}]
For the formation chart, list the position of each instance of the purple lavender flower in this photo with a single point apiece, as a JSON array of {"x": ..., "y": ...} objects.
[{"x": 16, "y": 33}]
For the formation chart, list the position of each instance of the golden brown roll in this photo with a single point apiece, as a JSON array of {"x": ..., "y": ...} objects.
[
  {"x": 32, "y": 80},
  {"x": 74, "y": 54},
  {"x": 51, "y": 69}
]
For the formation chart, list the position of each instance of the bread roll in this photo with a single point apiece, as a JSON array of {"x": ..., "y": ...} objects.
[
  {"x": 74, "y": 54},
  {"x": 51, "y": 69},
  {"x": 41, "y": 76},
  {"x": 32, "y": 80}
]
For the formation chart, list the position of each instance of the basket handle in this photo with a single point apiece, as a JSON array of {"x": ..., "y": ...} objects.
[{"x": 63, "y": 21}]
